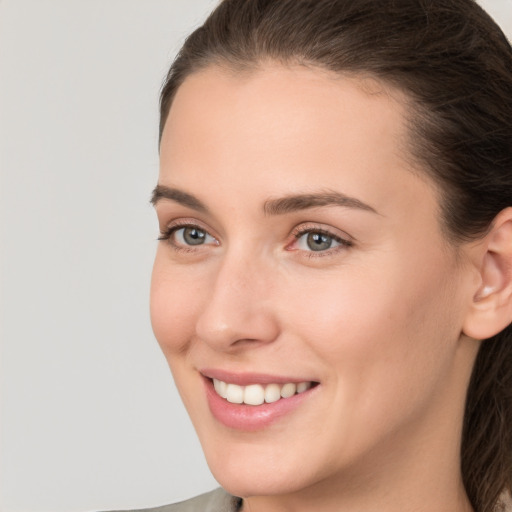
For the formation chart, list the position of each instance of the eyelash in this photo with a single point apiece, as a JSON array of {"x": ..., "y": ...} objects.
[{"x": 297, "y": 234}]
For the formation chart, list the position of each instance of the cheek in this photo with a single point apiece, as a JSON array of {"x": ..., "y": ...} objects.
[
  {"x": 173, "y": 306},
  {"x": 341, "y": 311},
  {"x": 392, "y": 325},
  {"x": 388, "y": 343}
]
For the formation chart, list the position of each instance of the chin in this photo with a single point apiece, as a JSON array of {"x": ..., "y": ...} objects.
[
  {"x": 254, "y": 474},
  {"x": 250, "y": 483}
]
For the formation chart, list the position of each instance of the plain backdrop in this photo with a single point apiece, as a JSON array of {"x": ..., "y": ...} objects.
[{"x": 90, "y": 419}]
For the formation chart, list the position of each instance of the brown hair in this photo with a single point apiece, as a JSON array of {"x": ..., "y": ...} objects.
[{"x": 455, "y": 64}]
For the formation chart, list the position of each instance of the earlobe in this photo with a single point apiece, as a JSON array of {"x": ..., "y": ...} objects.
[{"x": 491, "y": 308}]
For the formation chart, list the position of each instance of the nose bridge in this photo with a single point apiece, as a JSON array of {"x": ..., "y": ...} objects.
[{"x": 239, "y": 306}]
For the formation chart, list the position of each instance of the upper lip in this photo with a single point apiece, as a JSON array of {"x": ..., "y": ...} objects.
[{"x": 247, "y": 378}]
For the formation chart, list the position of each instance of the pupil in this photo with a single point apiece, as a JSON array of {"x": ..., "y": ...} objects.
[
  {"x": 318, "y": 241},
  {"x": 193, "y": 236}
]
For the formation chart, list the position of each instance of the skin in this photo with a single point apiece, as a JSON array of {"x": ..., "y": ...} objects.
[{"x": 378, "y": 323}]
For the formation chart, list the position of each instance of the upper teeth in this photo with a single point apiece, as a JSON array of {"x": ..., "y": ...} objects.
[{"x": 256, "y": 394}]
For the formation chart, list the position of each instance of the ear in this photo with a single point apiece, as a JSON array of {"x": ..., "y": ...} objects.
[{"x": 491, "y": 308}]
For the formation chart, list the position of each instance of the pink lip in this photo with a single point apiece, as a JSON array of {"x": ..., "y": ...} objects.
[{"x": 249, "y": 417}]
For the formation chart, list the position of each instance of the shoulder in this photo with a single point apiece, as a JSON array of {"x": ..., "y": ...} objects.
[{"x": 215, "y": 501}]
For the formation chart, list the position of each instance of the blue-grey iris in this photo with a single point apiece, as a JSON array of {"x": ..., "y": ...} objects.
[
  {"x": 318, "y": 241},
  {"x": 194, "y": 236}
]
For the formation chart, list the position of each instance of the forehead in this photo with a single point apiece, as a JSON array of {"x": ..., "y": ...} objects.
[
  {"x": 282, "y": 126},
  {"x": 273, "y": 96}
]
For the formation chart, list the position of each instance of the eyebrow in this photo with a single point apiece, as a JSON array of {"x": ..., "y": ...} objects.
[
  {"x": 178, "y": 196},
  {"x": 299, "y": 202},
  {"x": 279, "y": 206}
]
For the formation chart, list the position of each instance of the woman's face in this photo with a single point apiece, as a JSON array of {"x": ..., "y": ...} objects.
[{"x": 300, "y": 250}]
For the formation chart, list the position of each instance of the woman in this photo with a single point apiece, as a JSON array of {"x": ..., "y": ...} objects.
[{"x": 333, "y": 285}]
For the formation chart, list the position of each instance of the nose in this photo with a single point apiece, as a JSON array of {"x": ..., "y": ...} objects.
[{"x": 239, "y": 310}]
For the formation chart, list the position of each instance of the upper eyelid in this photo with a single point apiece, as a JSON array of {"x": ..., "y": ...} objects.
[
  {"x": 303, "y": 231},
  {"x": 341, "y": 241},
  {"x": 309, "y": 227},
  {"x": 173, "y": 228},
  {"x": 186, "y": 222}
]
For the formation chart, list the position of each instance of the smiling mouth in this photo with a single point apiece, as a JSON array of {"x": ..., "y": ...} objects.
[{"x": 258, "y": 394}]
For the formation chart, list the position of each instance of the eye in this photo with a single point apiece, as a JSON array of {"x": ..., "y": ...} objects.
[
  {"x": 317, "y": 241},
  {"x": 191, "y": 236},
  {"x": 187, "y": 236}
]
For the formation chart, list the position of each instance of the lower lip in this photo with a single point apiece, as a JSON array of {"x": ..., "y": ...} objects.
[{"x": 251, "y": 417}]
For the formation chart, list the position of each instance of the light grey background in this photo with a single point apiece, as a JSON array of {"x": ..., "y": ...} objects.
[{"x": 90, "y": 419}]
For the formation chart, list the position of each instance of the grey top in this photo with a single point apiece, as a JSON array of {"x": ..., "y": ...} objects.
[
  {"x": 215, "y": 501},
  {"x": 220, "y": 501}
]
